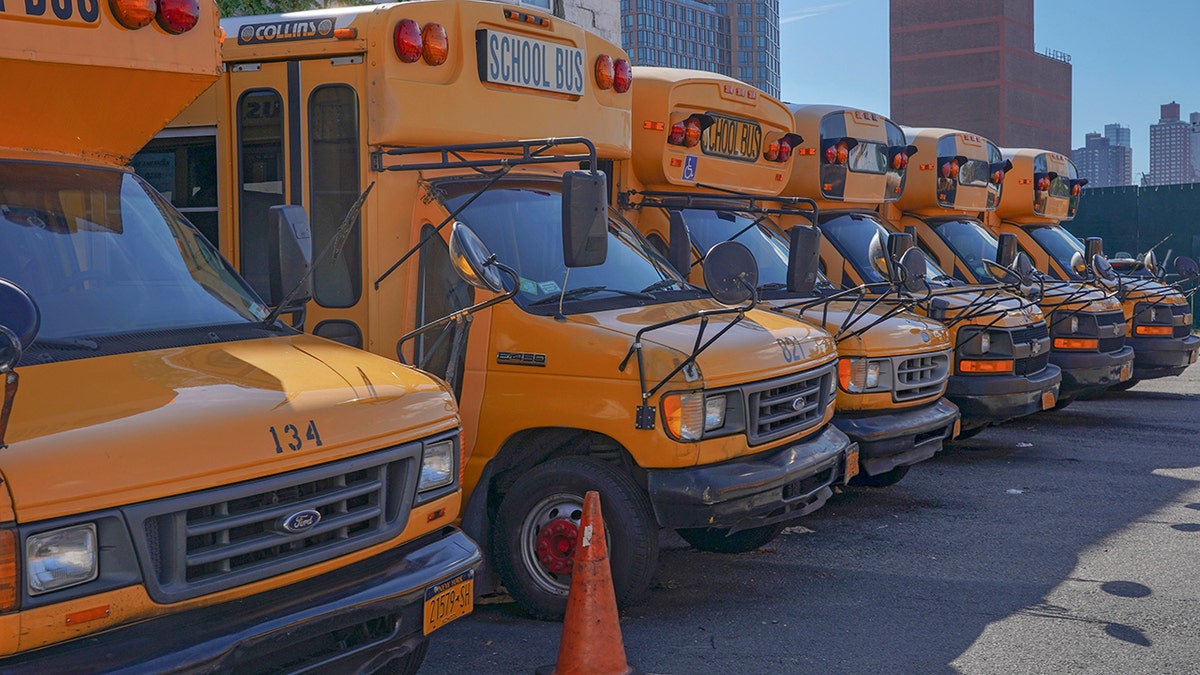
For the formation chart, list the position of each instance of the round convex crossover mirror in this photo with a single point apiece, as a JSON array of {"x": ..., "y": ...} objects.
[
  {"x": 730, "y": 273},
  {"x": 912, "y": 262},
  {"x": 1023, "y": 266},
  {"x": 1078, "y": 265},
  {"x": 470, "y": 258},
  {"x": 878, "y": 256},
  {"x": 1104, "y": 269},
  {"x": 20, "y": 319},
  {"x": 1186, "y": 267},
  {"x": 1150, "y": 262}
]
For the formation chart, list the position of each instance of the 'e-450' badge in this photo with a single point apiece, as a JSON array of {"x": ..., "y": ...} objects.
[{"x": 521, "y": 359}]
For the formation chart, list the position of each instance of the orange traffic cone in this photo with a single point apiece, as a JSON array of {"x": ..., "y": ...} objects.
[{"x": 591, "y": 637}]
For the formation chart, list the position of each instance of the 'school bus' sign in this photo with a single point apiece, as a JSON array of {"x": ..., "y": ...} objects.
[
  {"x": 505, "y": 58},
  {"x": 732, "y": 137}
]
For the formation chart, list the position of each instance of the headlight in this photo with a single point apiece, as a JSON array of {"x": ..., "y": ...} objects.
[
  {"x": 437, "y": 466},
  {"x": 714, "y": 412},
  {"x": 685, "y": 415},
  {"x": 857, "y": 375},
  {"x": 1073, "y": 325},
  {"x": 61, "y": 558},
  {"x": 985, "y": 343}
]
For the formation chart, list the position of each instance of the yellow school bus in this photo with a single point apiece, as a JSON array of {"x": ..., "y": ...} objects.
[
  {"x": 893, "y": 364},
  {"x": 590, "y": 364},
  {"x": 189, "y": 483},
  {"x": 1043, "y": 191},
  {"x": 854, "y": 162},
  {"x": 962, "y": 176}
]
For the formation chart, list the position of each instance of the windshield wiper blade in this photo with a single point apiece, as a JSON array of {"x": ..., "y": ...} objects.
[
  {"x": 68, "y": 343},
  {"x": 576, "y": 293},
  {"x": 663, "y": 284}
]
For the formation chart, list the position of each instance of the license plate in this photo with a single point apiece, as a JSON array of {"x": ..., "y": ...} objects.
[
  {"x": 1047, "y": 400},
  {"x": 449, "y": 600},
  {"x": 851, "y": 463},
  {"x": 1126, "y": 371},
  {"x": 519, "y": 61}
]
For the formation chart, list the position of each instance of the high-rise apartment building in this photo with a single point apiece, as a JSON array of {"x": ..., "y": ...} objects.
[
  {"x": 973, "y": 66},
  {"x": 739, "y": 38},
  {"x": 1102, "y": 161},
  {"x": 1171, "y": 148},
  {"x": 1118, "y": 135}
]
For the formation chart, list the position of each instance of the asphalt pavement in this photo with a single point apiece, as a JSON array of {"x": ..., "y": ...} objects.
[{"x": 1065, "y": 542}]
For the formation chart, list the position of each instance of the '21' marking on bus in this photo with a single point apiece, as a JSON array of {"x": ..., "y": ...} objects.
[
  {"x": 89, "y": 10},
  {"x": 291, "y": 436}
]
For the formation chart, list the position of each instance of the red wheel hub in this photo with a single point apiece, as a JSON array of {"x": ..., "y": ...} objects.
[{"x": 556, "y": 546}]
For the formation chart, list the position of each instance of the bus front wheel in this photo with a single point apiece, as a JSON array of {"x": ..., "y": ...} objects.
[{"x": 538, "y": 522}]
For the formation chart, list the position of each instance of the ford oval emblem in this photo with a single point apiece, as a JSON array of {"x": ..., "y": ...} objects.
[
  {"x": 925, "y": 336},
  {"x": 301, "y": 521},
  {"x": 798, "y": 403}
]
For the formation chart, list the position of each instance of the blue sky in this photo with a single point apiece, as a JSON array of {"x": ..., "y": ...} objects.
[{"x": 1127, "y": 58}]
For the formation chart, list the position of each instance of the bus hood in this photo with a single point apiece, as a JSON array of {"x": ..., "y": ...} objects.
[
  {"x": 761, "y": 346},
  {"x": 96, "y": 433},
  {"x": 904, "y": 333},
  {"x": 1017, "y": 311},
  {"x": 1149, "y": 290},
  {"x": 1072, "y": 296}
]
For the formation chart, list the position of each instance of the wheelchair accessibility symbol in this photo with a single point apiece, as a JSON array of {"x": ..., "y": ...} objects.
[{"x": 689, "y": 167}]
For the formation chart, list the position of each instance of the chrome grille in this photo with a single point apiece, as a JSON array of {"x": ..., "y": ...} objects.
[
  {"x": 1111, "y": 324},
  {"x": 208, "y": 541},
  {"x": 788, "y": 405},
  {"x": 1037, "y": 331},
  {"x": 919, "y": 376},
  {"x": 1031, "y": 365}
]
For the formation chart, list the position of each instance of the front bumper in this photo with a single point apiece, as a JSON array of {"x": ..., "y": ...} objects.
[
  {"x": 991, "y": 399},
  {"x": 899, "y": 439},
  {"x": 759, "y": 490},
  {"x": 351, "y": 620},
  {"x": 1083, "y": 371},
  {"x": 1162, "y": 356}
]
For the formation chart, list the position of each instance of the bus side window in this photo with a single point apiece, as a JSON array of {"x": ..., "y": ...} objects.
[
  {"x": 334, "y": 187},
  {"x": 260, "y": 176},
  {"x": 441, "y": 292}
]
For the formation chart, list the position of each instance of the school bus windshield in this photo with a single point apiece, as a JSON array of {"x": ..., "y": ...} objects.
[
  {"x": 971, "y": 243},
  {"x": 103, "y": 255},
  {"x": 759, "y": 233},
  {"x": 521, "y": 222},
  {"x": 1060, "y": 245},
  {"x": 852, "y": 233}
]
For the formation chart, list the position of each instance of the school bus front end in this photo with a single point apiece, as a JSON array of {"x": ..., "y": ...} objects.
[
  {"x": 189, "y": 485},
  {"x": 1043, "y": 193},
  {"x": 946, "y": 206},
  {"x": 614, "y": 375},
  {"x": 722, "y": 183},
  {"x": 999, "y": 368}
]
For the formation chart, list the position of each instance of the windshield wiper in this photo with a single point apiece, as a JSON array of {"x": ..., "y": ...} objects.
[
  {"x": 68, "y": 343},
  {"x": 663, "y": 284},
  {"x": 772, "y": 286},
  {"x": 576, "y": 293}
]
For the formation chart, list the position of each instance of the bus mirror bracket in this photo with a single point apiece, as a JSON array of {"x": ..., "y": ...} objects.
[
  {"x": 584, "y": 218},
  {"x": 804, "y": 250},
  {"x": 22, "y": 319},
  {"x": 679, "y": 250}
]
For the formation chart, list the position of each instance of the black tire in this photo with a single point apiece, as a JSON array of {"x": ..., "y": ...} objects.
[
  {"x": 539, "y": 497},
  {"x": 408, "y": 664},
  {"x": 1124, "y": 386},
  {"x": 881, "y": 479},
  {"x": 718, "y": 539}
]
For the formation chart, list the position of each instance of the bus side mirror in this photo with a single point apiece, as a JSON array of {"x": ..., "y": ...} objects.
[
  {"x": 679, "y": 251},
  {"x": 1023, "y": 266},
  {"x": 1092, "y": 247},
  {"x": 804, "y": 250},
  {"x": 21, "y": 321},
  {"x": 291, "y": 257},
  {"x": 1150, "y": 262},
  {"x": 584, "y": 218},
  {"x": 1186, "y": 267},
  {"x": 730, "y": 273},
  {"x": 472, "y": 259},
  {"x": 1104, "y": 269},
  {"x": 1006, "y": 251},
  {"x": 898, "y": 243}
]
